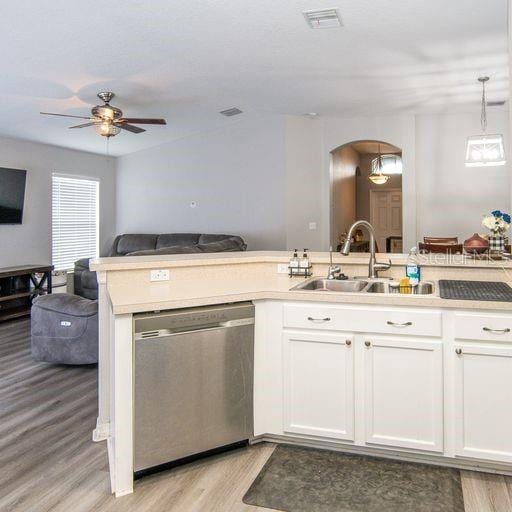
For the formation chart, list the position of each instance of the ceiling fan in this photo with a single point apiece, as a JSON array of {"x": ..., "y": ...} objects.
[{"x": 108, "y": 120}]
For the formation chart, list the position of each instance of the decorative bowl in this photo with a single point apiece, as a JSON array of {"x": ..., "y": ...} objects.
[{"x": 476, "y": 244}]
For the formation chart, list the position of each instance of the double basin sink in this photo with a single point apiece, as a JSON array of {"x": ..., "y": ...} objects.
[{"x": 364, "y": 286}]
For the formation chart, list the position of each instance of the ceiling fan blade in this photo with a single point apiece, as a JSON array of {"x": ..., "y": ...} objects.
[
  {"x": 131, "y": 128},
  {"x": 141, "y": 120},
  {"x": 63, "y": 115},
  {"x": 82, "y": 125}
]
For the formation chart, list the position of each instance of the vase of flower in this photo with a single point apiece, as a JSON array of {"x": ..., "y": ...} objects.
[{"x": 498, "y": 223}]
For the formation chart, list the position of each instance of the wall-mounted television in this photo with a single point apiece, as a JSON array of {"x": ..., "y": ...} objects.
[{"x": 12, "y": 195}]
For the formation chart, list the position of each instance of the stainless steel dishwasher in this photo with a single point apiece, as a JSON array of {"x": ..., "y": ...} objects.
[{"x": 193, "y": 383}]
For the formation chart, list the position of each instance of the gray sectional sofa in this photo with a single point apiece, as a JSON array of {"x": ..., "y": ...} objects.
[{"x": 142, "y": 245}]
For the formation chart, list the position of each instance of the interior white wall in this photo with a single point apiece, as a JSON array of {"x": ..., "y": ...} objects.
[
  {"x": 303, "y": 182},
  {"x": 452, "y": 198},
  {"x": 235, "y": 176},
  {"x": 309, "y": 143},
  {"x": 30, "y": 242}
]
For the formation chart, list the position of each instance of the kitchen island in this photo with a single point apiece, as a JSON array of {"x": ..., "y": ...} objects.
[{"x": 403, "y": 376}]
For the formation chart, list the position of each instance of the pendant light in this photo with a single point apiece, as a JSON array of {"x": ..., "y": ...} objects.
[
  {"x": 376, "y": 175},
  {"x": 484, "y": 150}
]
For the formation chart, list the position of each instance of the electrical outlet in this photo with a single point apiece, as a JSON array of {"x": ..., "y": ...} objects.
[
  {"x": 282, "y": 268},
  {"x": 312, "y": 226},
  {"x": 161, "y": 274}
]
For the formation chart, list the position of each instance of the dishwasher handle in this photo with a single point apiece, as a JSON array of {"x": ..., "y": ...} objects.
[{"x": 159, "y": 333}]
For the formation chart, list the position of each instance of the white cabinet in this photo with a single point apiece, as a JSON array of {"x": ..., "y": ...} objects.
[
  {"x": 403, "y": 321},
  {"x": 404, "y": 393},
  {"x": 483, "y": 401},
  {"x": 319, "y": 384},
  {"x": 422, "y": 380}
]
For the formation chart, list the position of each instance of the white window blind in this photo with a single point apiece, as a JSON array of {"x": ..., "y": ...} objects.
[{"x": 75, "y": 220}]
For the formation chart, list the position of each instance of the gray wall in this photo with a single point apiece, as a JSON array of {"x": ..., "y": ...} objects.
[
  {"x": 235, "y": 176},
  {"x": 30, "y": 242},
  {"x": 452, "y": 198}
]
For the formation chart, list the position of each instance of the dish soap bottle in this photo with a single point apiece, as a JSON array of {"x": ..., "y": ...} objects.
[{"x": 413, "y": 269}]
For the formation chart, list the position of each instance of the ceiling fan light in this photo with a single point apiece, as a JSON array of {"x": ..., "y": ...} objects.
[
  {"x": 485, "y": 151},
  {"x": 107, "y": 129}
]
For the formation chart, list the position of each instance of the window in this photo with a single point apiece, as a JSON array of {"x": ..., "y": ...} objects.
[
  {"x": 390, "y": 164},
  {"x": 75, "y": 220}
]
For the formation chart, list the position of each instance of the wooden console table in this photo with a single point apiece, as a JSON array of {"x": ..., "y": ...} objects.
[{"x": 19, "y": 285}]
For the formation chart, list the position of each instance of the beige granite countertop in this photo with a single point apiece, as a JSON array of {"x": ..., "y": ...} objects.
[
  {"x": 201, "y": 259},
  {"x": 194, "y": 282}
]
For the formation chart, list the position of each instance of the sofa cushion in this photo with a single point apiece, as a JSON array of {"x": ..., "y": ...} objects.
[
  {"x": 82, "y": 264},
  {"x": 227, "y": 245},
  {"x": 64, "y": 329},
  {"x": 131, "y": 243},
  {"x": 66, "y": 304},
  {"x": 176, "y": 249},
  {"x": 174, "y": 239},
  {"x": 208, "y": 239}
]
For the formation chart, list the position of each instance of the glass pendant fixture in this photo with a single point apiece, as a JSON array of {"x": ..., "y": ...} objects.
[
  {"x": 107, "y": 129},
  {"x": 484, "y": 150},
  {"x": 376, "y": 175}
]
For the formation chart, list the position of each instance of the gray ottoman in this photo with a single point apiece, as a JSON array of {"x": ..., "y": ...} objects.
[{"x": 64, "y": 329}]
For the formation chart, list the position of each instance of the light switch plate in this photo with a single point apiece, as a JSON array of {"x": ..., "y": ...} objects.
[
  {"x": 312, "y": 226},
  {"x": 160, "y": 274}
]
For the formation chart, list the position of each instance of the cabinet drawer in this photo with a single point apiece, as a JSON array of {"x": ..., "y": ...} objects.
[
  {"x": 358, "y": 319},
  {"x": 474, "y": 326}
]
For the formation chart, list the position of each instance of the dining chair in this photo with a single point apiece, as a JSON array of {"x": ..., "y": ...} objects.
[
  {"x": 440, "y": 240},
  {"x": 438, "y": 248}
]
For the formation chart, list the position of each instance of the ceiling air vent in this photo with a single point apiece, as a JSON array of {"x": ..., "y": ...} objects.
[
  {"x": 498, "y": 103},
  {"x": 324, "y": 18},
  {"x": 230, "y": 112}
]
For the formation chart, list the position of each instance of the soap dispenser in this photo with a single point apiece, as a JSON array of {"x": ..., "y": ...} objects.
[
  {"x": 304, "y": 262},
  {"x": 294, "y": 262}
]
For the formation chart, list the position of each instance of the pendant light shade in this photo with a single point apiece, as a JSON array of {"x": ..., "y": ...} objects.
[
  {"x": 376, "y": 175},
  {"x": 484, "y": 150},
  {"x": 378, "y": 179}
]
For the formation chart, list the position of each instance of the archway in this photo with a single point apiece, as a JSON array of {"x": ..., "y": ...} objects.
[{"x": 354, "y": 196}]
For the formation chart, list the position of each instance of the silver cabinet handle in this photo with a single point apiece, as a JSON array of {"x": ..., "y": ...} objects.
[
  {"x": 458, "y": 351},
  {"x": 395, "y": 324},
  {"x": 326, "y": 319},
  {"x": 496, "y": 331},
  {"x": 368, "y": 343},
  {"x": 348, "y": 343}
]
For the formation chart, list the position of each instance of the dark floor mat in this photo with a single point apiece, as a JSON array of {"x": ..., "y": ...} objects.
[{"x": 297, "y": 479}]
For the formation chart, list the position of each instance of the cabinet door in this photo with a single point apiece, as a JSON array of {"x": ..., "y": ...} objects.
[
  {"x": 483, "y": 402},
  {"x": 319, "y": 385},
  {"x": 404, "y": 393}
]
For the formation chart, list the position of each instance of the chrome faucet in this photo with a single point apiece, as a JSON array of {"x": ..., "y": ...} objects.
[
  {"x": 332, "y": 270},
  {"x": 373, "y": 266}
]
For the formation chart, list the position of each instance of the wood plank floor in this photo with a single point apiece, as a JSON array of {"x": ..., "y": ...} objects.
[{"x": 48, "y": 462}]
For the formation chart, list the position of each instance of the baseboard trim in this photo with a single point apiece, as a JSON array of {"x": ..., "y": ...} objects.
[
  {"x": 452, "y": 462},
  {"x": 101, "y": 432}
]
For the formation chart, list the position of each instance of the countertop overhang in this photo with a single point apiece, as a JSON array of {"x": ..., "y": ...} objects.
[
  {"x": 233, "y": 258},
  {"x": 223, "y": 278}
]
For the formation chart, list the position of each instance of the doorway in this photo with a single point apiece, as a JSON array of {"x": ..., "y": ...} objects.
[
  {"x": 354, "y": 196},
  {"x": 386, "y": 218}
]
